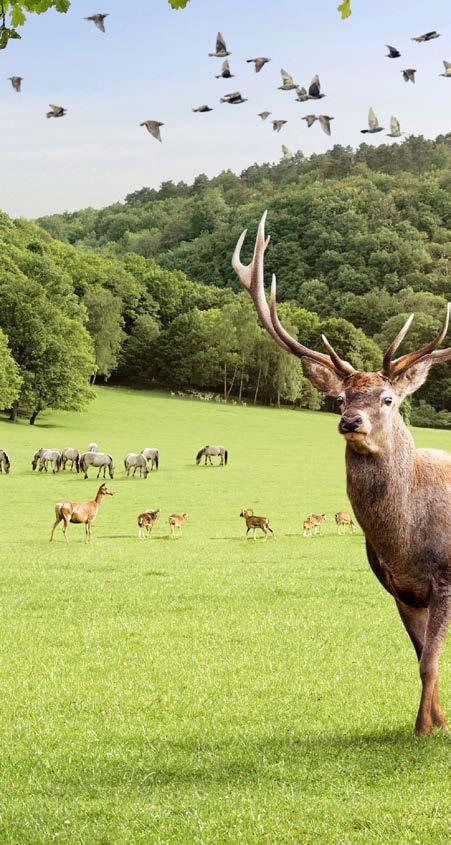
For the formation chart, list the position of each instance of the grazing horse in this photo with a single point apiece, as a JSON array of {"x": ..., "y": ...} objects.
[
  {"x": 153, "y": 456},
  {"x": 72, "y": 455},
  {"x": 36, "y": 458},
  {"x": 96, "y": 459},
  {"x": 79, "y": 512},
  {"x": 208, "y": 451},
  {"x": 136, "y": 462},
  {"x": 5, "y": 463},
  {"x": 49, "y": 456}
]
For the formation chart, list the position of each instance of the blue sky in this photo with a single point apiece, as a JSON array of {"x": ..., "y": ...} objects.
[{"x": 153, "y": 63}]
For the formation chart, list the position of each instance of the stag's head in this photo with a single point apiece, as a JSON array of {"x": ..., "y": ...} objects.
[{"x": 368, "y": 402}]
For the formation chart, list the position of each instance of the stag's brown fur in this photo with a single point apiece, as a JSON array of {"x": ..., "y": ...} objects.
[
  {"x": 401, "y": 495},
  {"x": 254, "y": 522},
  {"x": 176, "y": 520},
  {"x": 79, "y": 512},
  {"x": 146, "y": 522},
  {"x": 344, "y": 519}
]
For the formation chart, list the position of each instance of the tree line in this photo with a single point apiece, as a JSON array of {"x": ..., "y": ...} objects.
[{"x": 142, "y": 292}]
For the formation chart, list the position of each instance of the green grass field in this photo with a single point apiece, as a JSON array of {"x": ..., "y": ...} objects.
[{"x": 204, "y": 690}]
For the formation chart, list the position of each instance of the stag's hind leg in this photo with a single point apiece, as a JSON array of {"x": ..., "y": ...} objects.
[
  {"x": 55, "y": 524},
  {"x": 415, "y": 622},
  {"x": 436, "y": 627}
]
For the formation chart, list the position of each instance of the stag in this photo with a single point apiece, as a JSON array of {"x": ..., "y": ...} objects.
[{"x": 401, "y": 496}]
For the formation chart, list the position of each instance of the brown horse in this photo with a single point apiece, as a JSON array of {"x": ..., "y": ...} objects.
[{"x": 79, "y": 512}]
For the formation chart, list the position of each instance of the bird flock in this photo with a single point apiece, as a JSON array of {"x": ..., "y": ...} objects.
[{"x": 303, "y": 95}]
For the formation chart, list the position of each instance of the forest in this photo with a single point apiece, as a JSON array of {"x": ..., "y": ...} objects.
[{"x": 142, "y": 292}]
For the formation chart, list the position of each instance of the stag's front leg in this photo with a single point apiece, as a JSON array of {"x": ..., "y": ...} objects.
[{"x": 437, "y": 624}]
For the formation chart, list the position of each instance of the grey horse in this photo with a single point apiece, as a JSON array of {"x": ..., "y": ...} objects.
[
  {"x": 208, "y": 451},
  {"x": 96, "y": 459},
  {"x": 92, "y": 447},
  {"x": 5, "y": 463},
  {"x": 153, "y": 456},
  {"x": 72, "y": 455},
  {"x": 136, "y": 462},
  {"x": 50, "y": 456}
]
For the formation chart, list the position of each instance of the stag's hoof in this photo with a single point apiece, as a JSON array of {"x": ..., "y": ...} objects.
[{"x": 424, "y": 727}]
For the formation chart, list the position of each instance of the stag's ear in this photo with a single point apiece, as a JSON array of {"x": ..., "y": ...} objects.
[
  {"x": 322, "y": 377},
  {"x": 411, "y": 379}
]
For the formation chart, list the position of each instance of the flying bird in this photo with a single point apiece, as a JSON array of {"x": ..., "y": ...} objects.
[
  {"x": 259, "y": 63},
  {"x": 324, "y": 120},
  {"x": 153, "y": 126},
  {"x": 301, "y": 95},
  {"x": 56, "y": 111},
  {"x": 409, "y": 73},
  {"x": 288, "y": 83},
  {"x": 310, "y": 118},
  {"x": 98, "y": 19},
  {"x": 428, "y": 36},
  {"x": 203, "y": 109},
  {"x": 234, "y": 99},
  {"x": 373, "y": 124},
  {"x": 286, "y": 153},
  {"x": 221, "y": 48},
  {"x": 395, "y": 129},
  {"x": 264, "y": 114},
  {"x": 277, "y": 125},
  {"x": 17, "y": 80},
  {"x": 447, "y": 66},
  {"x": 393, "y": 52},
  {"x": 225, "y": 71},
  {"x": 314, "y": 90}
]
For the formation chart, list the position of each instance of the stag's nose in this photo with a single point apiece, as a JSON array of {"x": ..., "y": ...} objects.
[{"x": 350, "y": 423}]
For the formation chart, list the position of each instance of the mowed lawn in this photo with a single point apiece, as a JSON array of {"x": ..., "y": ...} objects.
[{"x": 204, "y": 690}]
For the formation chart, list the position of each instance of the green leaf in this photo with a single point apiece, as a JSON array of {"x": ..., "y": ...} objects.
[
  {"x": 178, "y": 4},
  {"x": 17, "y": 16},
  {"x": 345, "y": 9}
]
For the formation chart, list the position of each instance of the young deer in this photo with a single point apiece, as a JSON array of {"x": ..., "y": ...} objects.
[
  {"x": 176, "y": 520},
  {"x": 309, "y": 526},
  {"x": 400, "y": 495},
  {"x": 317, "y": 519},
  {"x": 344, "y": 519},
  {"x": 146, "y": 522},
  {"x": 254, "y": 522},
  {"x": 80, "y": 512}
]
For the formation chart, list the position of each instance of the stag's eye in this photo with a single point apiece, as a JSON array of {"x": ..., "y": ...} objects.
[
  {"x": 340, "y": 400},
  {"x": 388, "y": 400}
]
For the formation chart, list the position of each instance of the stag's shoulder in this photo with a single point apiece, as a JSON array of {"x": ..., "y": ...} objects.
[{"x": 433, "y": 463}]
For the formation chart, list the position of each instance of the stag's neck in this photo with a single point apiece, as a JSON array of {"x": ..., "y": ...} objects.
[{"x": 381, "y": 490}]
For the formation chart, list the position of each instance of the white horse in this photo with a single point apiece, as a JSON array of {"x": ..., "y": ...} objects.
[
  {"x": 207, "y": 452},
  {"x": 136, "y": 462},
  {"x": 97, "y": 459},
  {"x": 153, "y": 456},
  {"x": 45, "y": 456},
  {"x": 5, "y": 463},
  {"x": 92, "y": 447}
]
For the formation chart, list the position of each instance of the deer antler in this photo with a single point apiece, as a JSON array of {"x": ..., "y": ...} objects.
[
  {"x": 390, "y": 368},
  {"x": 251, "y": 277}
]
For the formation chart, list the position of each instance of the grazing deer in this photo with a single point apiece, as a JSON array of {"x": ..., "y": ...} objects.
[
  {"x": 146, "y": 522},
  {"x": 176, "y": 520},
  {"x": 254, "y": 522},
  {"x": 79, "y": 512},
  {"x": 400, "y": 495},
  {"x": 317, "y": 518},
  {"x": 344, "y": 519}
]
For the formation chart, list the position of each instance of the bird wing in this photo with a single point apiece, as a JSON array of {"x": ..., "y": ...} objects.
[
  {"x": 324, "y": 120},
  {"x": 394, "y": 126},
  {"x": 286, "y": 78},
  {"x": 373, "y": 122},
  {"x": 220, "y": 43},
  {"x": 310, "y": 118},
  {"x": 259, "y": 63},
  {"x": 100, "y": 24},
  {"x": 55, "y": 108},
  {"x": 447, "y": 65},
  {"x": 315, "y": 86},
  {"x": 226, "y": 66}
]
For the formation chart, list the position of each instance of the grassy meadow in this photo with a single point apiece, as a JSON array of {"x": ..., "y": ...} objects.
[{"x": 204, "y": 690}]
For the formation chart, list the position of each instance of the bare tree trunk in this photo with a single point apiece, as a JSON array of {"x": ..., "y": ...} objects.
[
  {"x": 225, "y": 381},
  {"x": 258, "y": 384},
  {"x": 232, "y": 382},
  {"x": 240, "y": 392},
  {"x": 278, "y": 398},
  {"x": 33, "y": 416},
  {"x": 13, "y": 414}
]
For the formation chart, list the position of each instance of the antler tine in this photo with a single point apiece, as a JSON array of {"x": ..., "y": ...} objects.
[
  {"x": 297, "y": 348},
  {"x": 340, "y": 363},
  {"x": 387, "y": 363},
  {"x": 251, "y": 277},
  {"x": 401, "y": 364}
]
